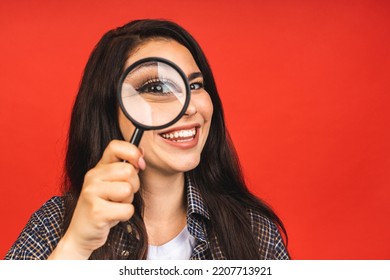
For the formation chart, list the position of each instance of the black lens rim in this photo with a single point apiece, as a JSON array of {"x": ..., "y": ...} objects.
[{"x": 133, "y": 66}]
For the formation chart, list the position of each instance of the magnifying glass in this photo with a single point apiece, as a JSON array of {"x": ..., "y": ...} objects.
[{"x": 153, "y": 93}]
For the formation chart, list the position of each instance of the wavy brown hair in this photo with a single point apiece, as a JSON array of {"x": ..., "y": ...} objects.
[{"x": 94, "y": 123}]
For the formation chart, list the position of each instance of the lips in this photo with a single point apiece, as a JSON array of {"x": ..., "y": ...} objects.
[{"x": 184, "y": 136}]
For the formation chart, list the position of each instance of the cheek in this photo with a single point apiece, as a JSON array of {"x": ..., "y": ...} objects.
[
  {"x": 206, "y": 107},
  {"x": 127, "y": 128}
]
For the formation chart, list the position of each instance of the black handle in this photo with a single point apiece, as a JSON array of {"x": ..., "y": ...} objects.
[{"x": 137, "y": 135}]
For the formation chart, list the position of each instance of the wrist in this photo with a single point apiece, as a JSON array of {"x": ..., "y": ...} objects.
[{"x": 67, "y": 249}]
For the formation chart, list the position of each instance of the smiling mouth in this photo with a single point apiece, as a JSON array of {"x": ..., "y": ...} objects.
[{"x": 179, "y": 136}]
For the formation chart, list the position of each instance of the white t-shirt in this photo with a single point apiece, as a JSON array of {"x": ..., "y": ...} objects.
[{"x": 179, "y": 248}]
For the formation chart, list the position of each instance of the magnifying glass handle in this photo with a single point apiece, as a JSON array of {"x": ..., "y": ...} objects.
[{"x": 136, "y": 137}]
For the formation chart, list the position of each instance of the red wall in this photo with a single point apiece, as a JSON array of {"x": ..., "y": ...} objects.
[{"x": 305, "y": 85}]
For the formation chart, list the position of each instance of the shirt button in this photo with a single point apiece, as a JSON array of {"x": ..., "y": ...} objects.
[
  {"x": 125, "y": 253},
  {"x": 129, "y": 228}
]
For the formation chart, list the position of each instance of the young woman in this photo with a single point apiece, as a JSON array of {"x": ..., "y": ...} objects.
[{"x": 167, "y": 199}]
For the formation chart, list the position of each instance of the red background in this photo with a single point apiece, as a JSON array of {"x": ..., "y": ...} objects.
[{"x": 305, "y": 85}]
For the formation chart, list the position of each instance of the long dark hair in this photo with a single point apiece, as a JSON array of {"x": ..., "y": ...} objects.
[{"x": 94, "y": 123}]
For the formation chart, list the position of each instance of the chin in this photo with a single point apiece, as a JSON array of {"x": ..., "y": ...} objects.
[
  {"x": 173, "y": 161},
  {"x": 185, "y": 165},
  {"x": 189, "y": 167}
]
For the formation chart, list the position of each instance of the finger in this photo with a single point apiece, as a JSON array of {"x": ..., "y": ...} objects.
[
  {"x": 117, "y": 171},
  {"x": 118, "y": 150},
  {"x": 116, "y": 211},
  {"x": 117, "y": 192}
]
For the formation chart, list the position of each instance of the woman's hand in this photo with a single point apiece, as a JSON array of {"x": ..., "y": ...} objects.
[{"x": 105, "y": 200}]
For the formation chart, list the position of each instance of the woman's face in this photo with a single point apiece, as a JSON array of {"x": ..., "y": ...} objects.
[{"x": 178, "y": 147}]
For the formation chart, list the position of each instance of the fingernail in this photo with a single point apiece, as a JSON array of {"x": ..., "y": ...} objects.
[{"x": 141, "y": 163}]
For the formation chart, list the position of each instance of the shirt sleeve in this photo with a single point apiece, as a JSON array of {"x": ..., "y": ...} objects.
[{"x": 41, "y": 234}]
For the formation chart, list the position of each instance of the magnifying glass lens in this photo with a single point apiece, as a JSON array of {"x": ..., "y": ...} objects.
[{"x": 153, "y": 94}]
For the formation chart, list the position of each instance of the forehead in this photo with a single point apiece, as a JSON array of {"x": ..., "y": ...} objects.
[{"x": 168, "y": 49}]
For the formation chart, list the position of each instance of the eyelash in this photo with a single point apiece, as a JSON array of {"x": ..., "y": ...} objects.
[
  {"x": 200, "y": 85},
  {"x": 159, "y": 85}
]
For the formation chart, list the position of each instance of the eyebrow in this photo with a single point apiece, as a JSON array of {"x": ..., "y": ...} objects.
[
  {"x": 149, "y": 64},
  {"x": 195, "y": 75}
]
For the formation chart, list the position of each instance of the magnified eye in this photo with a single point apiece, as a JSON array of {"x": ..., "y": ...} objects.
[{"x": 158, "y": 87}]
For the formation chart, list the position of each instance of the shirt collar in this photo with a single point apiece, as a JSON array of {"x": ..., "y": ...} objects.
[{"x": 195, "y": 201}]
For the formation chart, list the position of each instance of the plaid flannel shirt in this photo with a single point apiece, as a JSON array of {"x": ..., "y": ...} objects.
[{"x": 43, "y": 232}]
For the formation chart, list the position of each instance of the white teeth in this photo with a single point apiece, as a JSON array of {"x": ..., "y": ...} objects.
[{"x": 180, "y": 134}]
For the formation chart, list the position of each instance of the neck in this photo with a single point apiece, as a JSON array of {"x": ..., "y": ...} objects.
[{"x": 165, "y": 210}]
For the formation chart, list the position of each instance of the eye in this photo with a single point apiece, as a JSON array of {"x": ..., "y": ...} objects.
[
  {"x": 196, "y": 85},
  {"x": 154, "y": 88},
  {"x": 158, "y": 87}
]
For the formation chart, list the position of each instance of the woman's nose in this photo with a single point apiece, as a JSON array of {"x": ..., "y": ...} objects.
[{"x": 191, "y": 109}]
